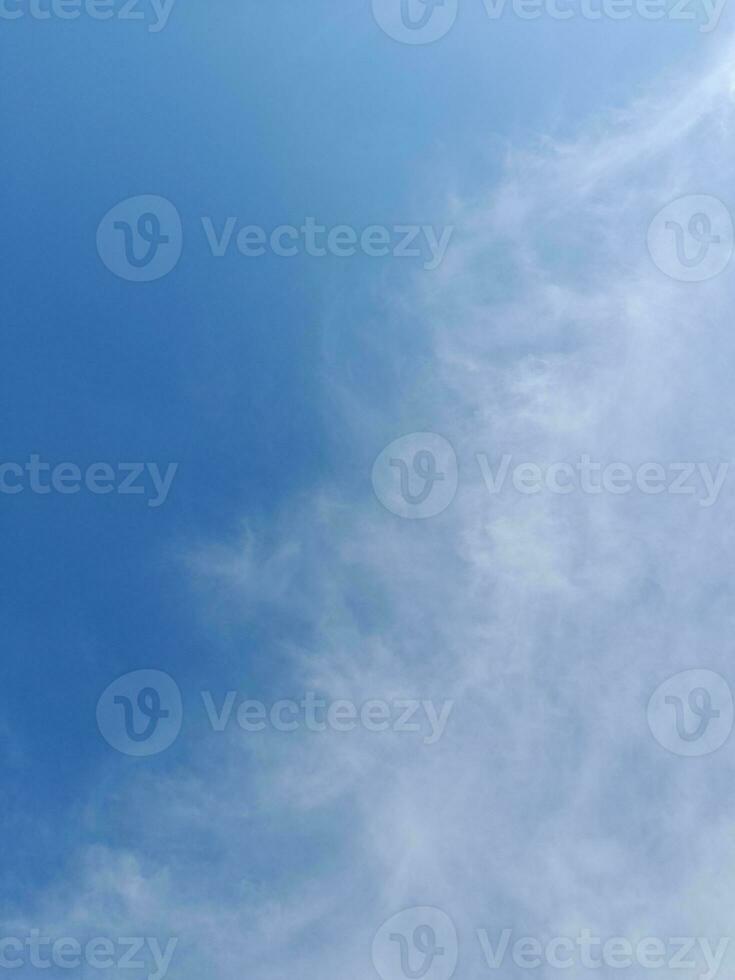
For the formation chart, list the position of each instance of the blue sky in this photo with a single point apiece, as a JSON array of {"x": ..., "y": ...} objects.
[{"x": 271, "y": 569}]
